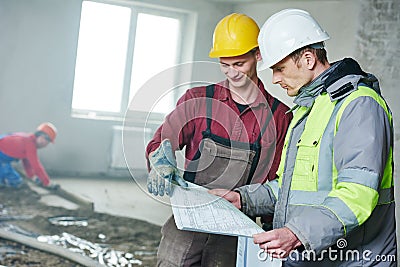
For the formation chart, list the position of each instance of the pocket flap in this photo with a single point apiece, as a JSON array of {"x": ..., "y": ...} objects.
[
  {"x": 311, "y": 138},
  {"x": 226, "y": 152}
]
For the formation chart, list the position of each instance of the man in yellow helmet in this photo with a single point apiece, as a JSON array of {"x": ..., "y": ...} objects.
[
  {"x": 232, "y": 133},
  {"x": 24, "y": 146}
]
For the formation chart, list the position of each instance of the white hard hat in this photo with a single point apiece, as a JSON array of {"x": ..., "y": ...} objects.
[{"x": 285, "y": 32}]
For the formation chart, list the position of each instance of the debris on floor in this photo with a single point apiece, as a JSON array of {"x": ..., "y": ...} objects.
[{"x": 109, "y": 240}]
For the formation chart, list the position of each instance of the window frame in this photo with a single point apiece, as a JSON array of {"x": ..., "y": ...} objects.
[{"x": 185, "y": 46}]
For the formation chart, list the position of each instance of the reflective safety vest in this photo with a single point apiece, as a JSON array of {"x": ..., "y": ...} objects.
[{"x": 315, "y": 176}]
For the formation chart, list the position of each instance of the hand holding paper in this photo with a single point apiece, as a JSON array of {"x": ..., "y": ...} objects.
[
  {"x": 197, "y": 210},
  {"x": 231, "y": 196},
  {"x": 278, "y": 242}
]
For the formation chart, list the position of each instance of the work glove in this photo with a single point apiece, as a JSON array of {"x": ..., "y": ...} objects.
[
  {"x": 163, "y": 170},
  {"x": 50, "y": 186},
  {"x": 53, "y": 187}
]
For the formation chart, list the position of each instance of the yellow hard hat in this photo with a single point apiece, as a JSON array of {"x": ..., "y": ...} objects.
[{"x": 234, "y": 35}]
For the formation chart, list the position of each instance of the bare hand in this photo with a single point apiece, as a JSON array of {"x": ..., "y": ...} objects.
[
  {"x": 231, "y": 196},
  {"x": 278, "y": 242}
]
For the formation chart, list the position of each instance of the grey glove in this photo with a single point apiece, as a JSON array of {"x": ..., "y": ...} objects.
[
  {"x": 53, "y": 186},
  {"x": 37, "y": 181},
  {"x": 163, "y": 170}
]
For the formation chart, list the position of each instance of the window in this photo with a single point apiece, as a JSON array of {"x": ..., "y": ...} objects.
[{"x": 119, "y": 48}]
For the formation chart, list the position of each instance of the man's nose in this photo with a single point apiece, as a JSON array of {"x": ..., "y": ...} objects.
[
  {"x": 232, "y": 72},
  {"x": 276, "y": 78}
]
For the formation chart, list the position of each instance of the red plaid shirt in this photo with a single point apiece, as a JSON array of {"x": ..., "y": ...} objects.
[{"x": 184, "y": 125}]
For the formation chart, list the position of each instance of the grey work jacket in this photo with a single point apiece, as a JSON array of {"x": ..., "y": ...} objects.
[{"x": 363, "y": 141}]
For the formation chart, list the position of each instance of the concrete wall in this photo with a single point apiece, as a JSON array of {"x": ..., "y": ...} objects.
[{"x": 378, "y": 51}]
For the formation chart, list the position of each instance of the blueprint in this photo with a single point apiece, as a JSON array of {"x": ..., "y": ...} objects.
[{"x": 197, "y": 210}]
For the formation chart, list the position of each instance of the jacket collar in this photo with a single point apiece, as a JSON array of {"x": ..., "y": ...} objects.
[{"x": 339, "y": 80}]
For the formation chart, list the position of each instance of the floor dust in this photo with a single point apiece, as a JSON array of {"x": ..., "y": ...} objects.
[{"x": 23, "y": 209}]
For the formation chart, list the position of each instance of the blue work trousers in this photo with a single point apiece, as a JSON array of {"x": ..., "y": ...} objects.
[{"x": 8, "y": 176}]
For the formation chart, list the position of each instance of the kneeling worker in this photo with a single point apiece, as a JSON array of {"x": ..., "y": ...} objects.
[{"x": 16, "y": 146}]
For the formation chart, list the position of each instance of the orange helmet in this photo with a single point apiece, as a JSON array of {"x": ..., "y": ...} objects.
[{"x": 49, "y": 129}]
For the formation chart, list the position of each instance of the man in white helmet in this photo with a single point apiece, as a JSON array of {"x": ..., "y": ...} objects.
[
  {"x": 232, "y": 132},
  {"x": 333, "y": 202}
]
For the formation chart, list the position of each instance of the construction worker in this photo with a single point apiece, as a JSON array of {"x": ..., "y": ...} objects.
[
  {"x": 233, "y": 133},
  {"x": 335, "y": 205},
  {"x": 23, "y": 146}
]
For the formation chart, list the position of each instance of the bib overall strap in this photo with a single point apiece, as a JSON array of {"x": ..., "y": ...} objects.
[
  {"x": 209, "y": 99},
  {"x": 190, "y": 173},
  {"x": 257, "y": 144},
  {"x": 270, "y": 115}
]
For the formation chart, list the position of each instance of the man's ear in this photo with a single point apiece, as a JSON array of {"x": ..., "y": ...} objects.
[
  {"x": 309, "y": 60},
  {"x": 258, "y": 55}
]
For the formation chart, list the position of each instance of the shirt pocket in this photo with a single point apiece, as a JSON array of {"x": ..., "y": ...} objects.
[{"x": 305, "y": 173}]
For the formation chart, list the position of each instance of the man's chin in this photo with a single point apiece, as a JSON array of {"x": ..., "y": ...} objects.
[
  {"x": 238, "y": 84},
  {"x": 291, "y": 92}
]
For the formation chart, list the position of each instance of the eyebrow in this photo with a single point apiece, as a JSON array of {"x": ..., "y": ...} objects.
[
  {"x": 276, "y": 66},
  {"x": 234, "y": 63}
]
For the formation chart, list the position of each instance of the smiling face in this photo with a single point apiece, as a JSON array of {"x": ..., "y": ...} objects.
[{"x": 241, "y": 70}]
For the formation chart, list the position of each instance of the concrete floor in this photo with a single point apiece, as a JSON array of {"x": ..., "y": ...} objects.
[
  {"x": 118, "y": 196},
  {"x": 125, "y": 197}
]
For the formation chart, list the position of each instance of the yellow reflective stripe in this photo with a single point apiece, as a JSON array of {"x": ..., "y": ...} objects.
[
  {"x": 387, "y": 180},
  {"x": 298, "y": 114},
  {"x": 362, "y": 91},
  {"x": 377, "y": 98},
  {"x": 355, "y": 196}
]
